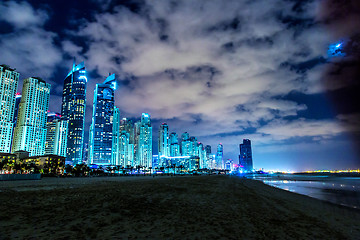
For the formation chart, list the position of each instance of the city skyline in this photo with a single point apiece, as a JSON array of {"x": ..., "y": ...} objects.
[{"x": 273, "y": 76}]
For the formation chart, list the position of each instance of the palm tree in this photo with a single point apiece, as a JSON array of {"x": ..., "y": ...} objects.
[
  {"x": 174, "y": 166},
  {"x": 150, "y": 168},
  {"x": 138, "y": 167},
  {"x": 181, "y": 168}
]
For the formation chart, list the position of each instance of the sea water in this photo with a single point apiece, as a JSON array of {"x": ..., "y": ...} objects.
[{"x": 339, "y": 190}]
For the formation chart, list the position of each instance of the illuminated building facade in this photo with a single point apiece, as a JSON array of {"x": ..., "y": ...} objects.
[
  {"x": 101, "y": 128},
  {"x": 229, "y": 165},
  {"x": 174, "y": 145},
  {"x": 56, "y": 135},
  {"x": 126, "y": 150},
  {"x": 115, "y": 137},
  {"x": 144, "y": 147},
  {"x": 73, "y": 110},
  {"x": 219, "y": 156},
  {"x": 128, "y": 126},
  {"x": 30, "y": 131},
  {"x": 201, "y": 153},
  {"x": 9, "y": 79},
  {"x": 17, "y": 102},
  {"x": 208, "y": 150},
  {"x": 185, "y": 144},
  {"x": 245, "y": 157},
  {"x": 164, "y": 148}
]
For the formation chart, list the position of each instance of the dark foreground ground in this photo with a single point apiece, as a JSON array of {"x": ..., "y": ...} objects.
[{"x": 199, "y": 207}]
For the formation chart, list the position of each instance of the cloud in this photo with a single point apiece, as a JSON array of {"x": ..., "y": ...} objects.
[
  {"x": 29, "y": 48},
  {"x": 22, "y": 14},
  {"x": 280, "y": 129}
]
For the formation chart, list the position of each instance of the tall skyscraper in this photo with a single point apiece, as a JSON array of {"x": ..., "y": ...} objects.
[
  {"x": 101, "y": 128},
  {"x": 9, "y": 79},
  {"x": 128, "y": 126},
  {"x": 126, "y": 150},
  {"x": 193, "y": 146},
  {"x": 245, "y": 157},
  {"x": 115, "y": 137},
  {"x": 186, "y": 148},
  {"x": 56, "y": 135},
  {"x": 219, "y": 156},
  {"x": 144, "y": 147},
  {"x": 164, "y": 148},
  {"x": 73, "y": 110},
  {"x": 17, "y": 102},
  {"x": 30, "y": 131},
  {"x": 174, "y": 145},
  {"x": 201, "y": 153}
]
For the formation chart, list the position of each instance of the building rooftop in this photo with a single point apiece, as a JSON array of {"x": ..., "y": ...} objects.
[{"x": 7, "y": 67}]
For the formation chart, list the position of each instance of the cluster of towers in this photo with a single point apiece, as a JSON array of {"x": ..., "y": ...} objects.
[
  {"x": 185, "y": 150},
  {"x": 27, "y": 125}
]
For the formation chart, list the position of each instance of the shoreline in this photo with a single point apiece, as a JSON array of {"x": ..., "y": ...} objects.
[{"x": 189, "y": 207}]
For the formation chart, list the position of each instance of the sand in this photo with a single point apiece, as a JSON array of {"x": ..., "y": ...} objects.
[{"x": 195, "y": 207}]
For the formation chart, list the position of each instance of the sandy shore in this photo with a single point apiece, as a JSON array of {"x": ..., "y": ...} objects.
[{"x": 199, "y": 207}]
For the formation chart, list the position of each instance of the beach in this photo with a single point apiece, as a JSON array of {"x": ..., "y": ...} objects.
[{"x": 180, "y": 207}]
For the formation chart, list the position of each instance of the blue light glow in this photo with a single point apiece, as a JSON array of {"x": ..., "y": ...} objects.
[
  {"x": 83, "y": 77},
  {"x": 336, "y": 50}
]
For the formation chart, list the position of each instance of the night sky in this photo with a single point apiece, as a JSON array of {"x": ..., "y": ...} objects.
[{"x": 284, "y": 74}]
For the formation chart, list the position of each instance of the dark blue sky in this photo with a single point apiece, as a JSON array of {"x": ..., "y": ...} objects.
[{"x": 220, "y": 70}]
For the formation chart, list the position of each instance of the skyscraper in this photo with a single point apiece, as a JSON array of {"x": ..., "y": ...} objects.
[
  {"x": 174, "y": 145},
  {"x": 185, "y": 144},
  {"x": 17, "y": 102},
  {"x": 164, "y": 148},
  {"x": 73, "y": 110},
  {"x": 115, "y": 137},
  {"x": 219, "y": 156},
  {"x": 126, "y": 150},
  {"x": 144, "y": 147},
  {"x": 56, "y": 135},
  {"x": 30, "y": 131},
  {"x": 128, "y": 126},
  {"x": 245, "y": 157},
  {"x": 101, "y": 128},
  {"x": 9, "y": 79}
]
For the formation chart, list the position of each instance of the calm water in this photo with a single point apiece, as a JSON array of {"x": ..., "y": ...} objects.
[{"x": 340, "y": 190}]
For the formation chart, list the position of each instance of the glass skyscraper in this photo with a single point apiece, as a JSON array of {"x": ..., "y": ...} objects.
[
  {"x": 164, "y": 149},
  {"x": 115, "y": 137},
  {"x": 245, "y": 157},
  {"x": 9, "y": 79},
  {"x": 219, "y": 156},
  {"x": 56, "y": 136},
  {"x": 30, "y": 131},
  {"x": 101, "y": 128},
  {"x": 144, "y": 146},
  {"x": 185, "y": 144},
  {"x": 174, "y": 145},
  {"x": 73, "y": 110}
]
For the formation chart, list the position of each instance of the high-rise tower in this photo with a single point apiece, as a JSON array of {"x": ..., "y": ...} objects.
[
  {"x": 164, "y": 149},
  {"x": 9, "y": 79},
  {"x": 144, "y": 146},
  {"x": 30, "y": 131},
  {"x": 245, "y": 157},
  {"x": 56, "y": 135},
  {"x": 73, "y": 110},
  {"x": 115, "y": 137},
  {"x": 101, "y": 128},
  {"x": 219, "y": 156},
  {"x": 186, "y": 148},
  {"x": 174, "y": 145}
]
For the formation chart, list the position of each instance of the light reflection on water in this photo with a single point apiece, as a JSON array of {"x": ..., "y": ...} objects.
[{"x": 339, "y": 190}]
